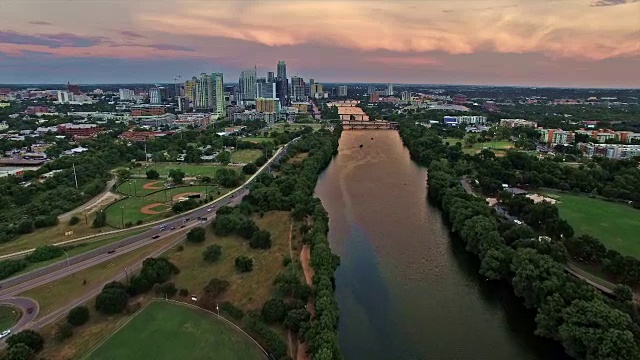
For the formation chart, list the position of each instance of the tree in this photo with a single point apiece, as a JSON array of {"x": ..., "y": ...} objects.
[
  {"x": 223, "y": 157},
  {"x": 212, "y": 253},
  {"x": 74, "y": 220},
  {"x": 112, "y": 300},
  {"x": 274, "y": 310},
  {"x": 623, "y": 293},
  {"x": 100, "y": 220},
  {"x": 225, "y": 225},
  {"x": 19, "y": 351},
  {"x": 152, "y": 174},
  {"x": 250, "y": 169},
  {"x": 78, "y": 315},
  {"x": 196, "y": 235},
  {"x": 64, "y": 331},
  {"x": 594, "y": 330},
  {"x": 28, "y": 337},
  {"x": 167, "y": 289},
  {"x": 177, "y": 176},
  {"x": 260, "y": 240},
  {"x": 123, "y": 175},
  {"x": 244, "y": 264},
  {"x": 296, "y": 318},
  {"x": 246, "y": 228},
  {"x": 229, "y": 177}
]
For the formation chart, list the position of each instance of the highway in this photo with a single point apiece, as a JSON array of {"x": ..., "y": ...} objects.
[{"x": 11, "y": 287}]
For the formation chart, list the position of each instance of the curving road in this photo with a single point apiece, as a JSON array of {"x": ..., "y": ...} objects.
[
  {"x": 23, "y": 304},
  {"x": 11, "y": 287}
]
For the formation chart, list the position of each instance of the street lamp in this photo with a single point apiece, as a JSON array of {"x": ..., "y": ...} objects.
[{"x": 68, "y": 264}]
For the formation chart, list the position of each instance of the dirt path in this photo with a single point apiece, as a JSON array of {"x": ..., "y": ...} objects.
[
  {"x": 305, "y": 258},
  {"x": 104, "y": 198},
  {"x": 152, "y": 186},
  {"x": 148, "y": 210}
]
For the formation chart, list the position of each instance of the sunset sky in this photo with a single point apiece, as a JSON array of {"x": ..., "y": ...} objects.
[{"x": 553, "y": 42}]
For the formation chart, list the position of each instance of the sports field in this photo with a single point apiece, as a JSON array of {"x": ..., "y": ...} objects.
[
  {"x": 257, "y": 139},
  {"x": 164, "y": 330},
  {"x": 495, "y": 146},
  {"x": 140, "y": 187},
  {"x": 245, "y": 156},
  {"x": 154, "y": 206},
  {"x": 615, "y": 224},
  {"x": 190, "y": 170}
]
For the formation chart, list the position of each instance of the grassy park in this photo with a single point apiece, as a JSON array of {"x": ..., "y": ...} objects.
[
  {"x": 8, "y": 316},
  {"x": 495, "y": 146},
  {"x": 257, "y": 139},
  {"x": 164, "y": 330},
  {"x": 615, "y": 224},
  {"x": 132, "y": 209},
  {"x": 248, "y": 290},
  {"x": 190, "y": 170},
  {"x": 245, "y": 156}
]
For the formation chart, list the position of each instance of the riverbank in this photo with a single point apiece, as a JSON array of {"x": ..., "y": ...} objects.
[
  {"x": 565, "y": 307},
  {"x": 406, "y": 289}
]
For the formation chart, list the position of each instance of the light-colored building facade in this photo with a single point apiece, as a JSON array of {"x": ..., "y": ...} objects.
[
  {"x": 248, "y": 85},
  {"x": 126, "y": 94},
  {"x": 511, "y": 123},
  {"x": 342, "y": 90},
  {"x": 219, "y": 104},
  {"x": 155, "y": 96}
]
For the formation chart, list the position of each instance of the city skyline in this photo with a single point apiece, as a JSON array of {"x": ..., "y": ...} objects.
[{"x": 567, "y": 44}]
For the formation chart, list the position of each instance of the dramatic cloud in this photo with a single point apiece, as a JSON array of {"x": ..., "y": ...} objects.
[
  {"x": 131, "y": 34},
  {"x": 170, "y": 47},
  {"x": 50, "y": 40},
  {"x": 40, "y": 23},
  {"x": 599, "y": 3},
  {"x": 581, "y": 42}
]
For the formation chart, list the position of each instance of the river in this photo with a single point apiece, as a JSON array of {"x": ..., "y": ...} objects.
[{"x": 405, "y": 288}]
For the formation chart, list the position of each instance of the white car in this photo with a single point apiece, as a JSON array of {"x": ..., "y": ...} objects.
[
  {"x": 209, "y": 210},
  {"x": 5, "y": 333}
]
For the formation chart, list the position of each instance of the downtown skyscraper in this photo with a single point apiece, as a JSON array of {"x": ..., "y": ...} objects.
[
  {"x": 218, "y": 105},
  {"x": 204, "y": 92},
  {"x": 248, "y": 85},
  {"x": 282, "y": 86}
]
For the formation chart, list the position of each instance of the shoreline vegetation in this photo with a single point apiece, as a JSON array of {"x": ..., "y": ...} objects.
[{"x": 588, "y": 324}]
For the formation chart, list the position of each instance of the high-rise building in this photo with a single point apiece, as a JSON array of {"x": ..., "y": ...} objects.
[
  {"x": 64, "y": 97},
  {"x": 248, "y": 84},
  {"x": 204, "y": 90},
  {"x": 265, "y": 89},
  {"x": 126, "y": 94},
  {"x": 316, "y": 91},
  {"x": 271, "y": 77},
  {"x": 219, "y": 103},
  {"x": 282, "y": 86},
  {"x": 406, "y": 96},
  {"x": 389, "y": 89},
  {"x": 298, "y": 92},
  {"x": 342, "y": 90},
  {"x": 267, "y": 105},
  {"x": 155, "y": 96},
  {"x": 74, "y": 89},
  {"x": 371, "y": 89},
  {"x": 190, "y": 90}
]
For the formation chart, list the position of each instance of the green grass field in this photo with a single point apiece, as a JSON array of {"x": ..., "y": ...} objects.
[
  {"x": 170, "y": 331},
  {"x": 8, "y": 316},
  {"x": 135, "y": 187},
  {"x": 257, "y": 139},
  {"x": 190, "y": 170},
  {"x": 281, "y": 127},
  {"x": 132, "y": 205},
  {"x": 615, "y": 224},
  {"x": 245, "y": 156},
  {"x": 128, "y": 210},
  {"x": 495, "y": 146}
]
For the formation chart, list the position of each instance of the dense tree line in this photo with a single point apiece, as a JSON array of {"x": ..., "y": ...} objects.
[
  {"x": 114, "y": 297},
  {"x": 614, "y": 179},
  {"x": 589, "y": 325}
]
